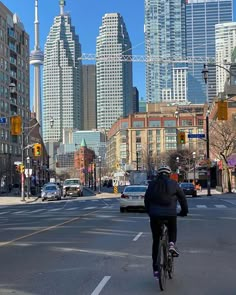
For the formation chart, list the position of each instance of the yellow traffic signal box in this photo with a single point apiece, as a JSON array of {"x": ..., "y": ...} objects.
[
  {"x": 16, "y": 125},
  {"x": 181, "y": 137},
  {"x": 22, "y": 168},
  {"x": 222, "y": 110},
  {"x": 37, "y": 150}
]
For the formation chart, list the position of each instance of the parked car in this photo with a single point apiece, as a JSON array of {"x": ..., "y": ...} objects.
[
  {"x": 132, "y": 197},
  {"x": 51, "y": 191},
  {"x": 189, "y": 189},
  {"x": 72, "y": 187}
]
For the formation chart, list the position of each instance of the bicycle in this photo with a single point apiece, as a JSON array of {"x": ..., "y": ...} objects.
[{"x": 165, "y": 260}]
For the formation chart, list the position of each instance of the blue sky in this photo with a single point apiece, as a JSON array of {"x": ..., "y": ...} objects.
[{"x": 87, "y": 17}]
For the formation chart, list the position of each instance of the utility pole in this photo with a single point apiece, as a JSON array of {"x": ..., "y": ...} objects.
[
  {"x": 137, "y": 161},
  {"x": 22, "y": 163}
]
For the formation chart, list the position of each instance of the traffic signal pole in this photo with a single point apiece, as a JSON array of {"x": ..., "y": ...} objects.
[{"x": 22, "y": 172}]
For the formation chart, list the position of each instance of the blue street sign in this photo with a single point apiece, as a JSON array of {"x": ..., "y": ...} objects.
[
  {"x": 192, "y": 135},
  {"x": 3, "y": 120}
]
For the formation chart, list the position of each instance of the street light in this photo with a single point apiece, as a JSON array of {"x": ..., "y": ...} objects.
[
  {"x": 205, "y": 77},
  {"x": 177, "y": 161},
  {"x": 100, "y": 173}
]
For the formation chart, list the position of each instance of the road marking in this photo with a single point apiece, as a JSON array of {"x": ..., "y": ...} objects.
[
  {"x": 38, "y": 210},
  {"x": 201, "y": 206},
  {"x": 19, "y": 212},
  {"x": 101, "y": 285},
  {"x": 220, "y": 206},
  {"x": 55, "y": 209},
  {"x": 74, "y": 208},
  {"x": 2, "y": 244},
  {"x": 94, "y": 200},
  {"x": 4, "y": 212},
  {"x": 88, "y": 208},
  {"x": 137, "y": 236}
]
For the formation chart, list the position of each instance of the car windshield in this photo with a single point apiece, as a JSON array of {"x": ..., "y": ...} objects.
[
  {"x": 71, "y": 181},
  {"x": 187, "y": 185},
  {"x": 50, "y": 188},
  {"x": 138, "y": 189}
]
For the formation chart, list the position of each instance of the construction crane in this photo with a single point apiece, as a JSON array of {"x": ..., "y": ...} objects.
[{"x": 148, "y": 59}]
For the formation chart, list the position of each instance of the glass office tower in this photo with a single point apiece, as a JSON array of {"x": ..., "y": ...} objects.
[
  {"x": 201, "y": 18},
  {"x": 165, "y": 39}
]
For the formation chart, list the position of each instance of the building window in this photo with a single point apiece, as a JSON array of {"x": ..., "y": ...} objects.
[
  {"x": 154, "y": 123},
  {"x": 124, "y": 125},
  {"x": 187, "y": 122},
  {"x": 138, "y": 124},
  {"x": 170, "y": 123}
]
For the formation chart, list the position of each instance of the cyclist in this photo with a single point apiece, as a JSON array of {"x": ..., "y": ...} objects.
[{"x": 161, "y": 204}]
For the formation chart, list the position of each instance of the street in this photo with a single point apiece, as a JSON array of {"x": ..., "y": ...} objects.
[{"x": 87, "y": 247}]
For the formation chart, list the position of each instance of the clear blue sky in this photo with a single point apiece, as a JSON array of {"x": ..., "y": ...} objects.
[{"x": 87, "y": 17}]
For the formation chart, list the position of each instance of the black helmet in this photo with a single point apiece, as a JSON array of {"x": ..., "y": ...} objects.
[{"x": 164, "y": 169}]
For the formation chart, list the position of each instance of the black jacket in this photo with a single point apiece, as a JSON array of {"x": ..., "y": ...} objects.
[{"x": 154, "y": 203}]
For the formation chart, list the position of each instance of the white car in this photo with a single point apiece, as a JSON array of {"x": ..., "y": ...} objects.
[
  {"x": 72, "y": 187},
  {"x": 132, "y": 197}
]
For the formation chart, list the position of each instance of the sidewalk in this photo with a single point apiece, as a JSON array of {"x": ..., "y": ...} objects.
[{"x": 16, "y": 200}]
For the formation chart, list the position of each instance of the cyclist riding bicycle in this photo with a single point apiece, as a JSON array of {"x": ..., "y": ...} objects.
[{"x": 161, "y": 204}]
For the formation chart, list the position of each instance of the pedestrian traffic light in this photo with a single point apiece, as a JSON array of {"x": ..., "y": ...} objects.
[
  {"x": 16, "y": 125},
  {"x": 37, "y": 149},
  {"x": 181, "y": 137},
  {"x": 22, "y": 168},
  {"x": 222, "y": 113}
]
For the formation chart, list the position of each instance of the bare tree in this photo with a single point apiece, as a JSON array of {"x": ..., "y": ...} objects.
[{"x": 222, "y": 144}]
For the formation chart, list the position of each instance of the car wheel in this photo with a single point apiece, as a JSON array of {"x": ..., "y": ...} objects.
[
  {"x": 122, "y": 209},
  {"x": 43, "y": 199},
  {"x": 59, "y": 198}
]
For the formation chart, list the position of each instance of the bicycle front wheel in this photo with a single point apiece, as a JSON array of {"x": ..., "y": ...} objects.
[{"x": 162, "y": 265}]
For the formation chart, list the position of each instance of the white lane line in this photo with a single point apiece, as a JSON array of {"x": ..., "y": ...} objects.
[
  {"x": 94, "y": 200},
  {"x": 101, "y": 285},
  {"x": 55, "y": 209},
  {"x": 220, "y": 206},
  {"x": 4, "y": 212},
  {"x": 137, "y": 236},
  {"x": 201, "y": 206},
  {"x": 19, "y": 212},
  {"x": 38, "y": 210},
  {"x": 88, "y": 208},
  {"x": 74, "y": 208}
]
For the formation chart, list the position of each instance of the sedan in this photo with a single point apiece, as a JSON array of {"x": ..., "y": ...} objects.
[
  {"x": 188, "y": 188},
  {"x": 132, "y": 197},
  {"x": 51, "y": 191}
]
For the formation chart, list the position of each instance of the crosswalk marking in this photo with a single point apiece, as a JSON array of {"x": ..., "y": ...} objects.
[
  {"x": 55, "y": 209},
  {"x": 74, "y": 208},
  {"x": 19, "y": 212},
  {"x": 88, "y": 208},
  {"x": 220, "y": 206},
  {"x": 201, "y": 206},
  {"x": 4, "y": 212}
]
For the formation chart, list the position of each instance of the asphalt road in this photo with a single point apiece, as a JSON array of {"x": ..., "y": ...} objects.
[{"x": 88, "y": 248}]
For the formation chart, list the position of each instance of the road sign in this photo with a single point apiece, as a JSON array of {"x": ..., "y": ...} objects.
[
  {"x": 192, "y": 135},
  {"x": 3, "y": 120}
]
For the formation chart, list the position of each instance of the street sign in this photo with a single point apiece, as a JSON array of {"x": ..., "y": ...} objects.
[
  {"x": 3, "y": 120},
  {"x": 17, "y": 163},
  {"x": 192, "y": 135}
]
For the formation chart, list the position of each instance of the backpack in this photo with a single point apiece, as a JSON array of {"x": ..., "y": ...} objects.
[{"x": 159, "y": 192}]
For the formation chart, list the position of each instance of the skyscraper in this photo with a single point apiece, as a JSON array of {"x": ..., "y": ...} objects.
[
  {"x": 201, "y": 18},
  {"x": 225, "y": 44},
  {"x": 165, "y": 39},
  {"x": 114, "y": 76},
  {"x": 61, "y": 78}
]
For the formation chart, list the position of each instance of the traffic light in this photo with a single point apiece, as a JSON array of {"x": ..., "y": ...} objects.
[
  {"x": 37, "y": 149},
  {"x": 16, "y": 125},
  {"x": 222, "y": 110},
  {"x": 22, "y": 168},
  {"x": 181, "y": 137}
]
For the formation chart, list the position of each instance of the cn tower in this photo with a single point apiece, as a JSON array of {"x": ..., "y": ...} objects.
[{"x": 36, "y": 59}]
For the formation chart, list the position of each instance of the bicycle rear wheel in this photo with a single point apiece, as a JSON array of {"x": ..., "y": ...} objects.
[
  {"x": 162, "y": 265},
  {"x": 170, "y": 266}
]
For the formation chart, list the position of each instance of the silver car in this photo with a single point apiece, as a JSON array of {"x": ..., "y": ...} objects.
[
  {"x": 132, "y": 196},
  {"x": 51, "y": 191}
]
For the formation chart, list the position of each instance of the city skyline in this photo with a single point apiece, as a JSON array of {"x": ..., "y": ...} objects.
[{"x": 87, "y": 26}]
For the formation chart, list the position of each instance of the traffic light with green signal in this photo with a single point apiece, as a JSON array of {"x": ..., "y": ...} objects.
[
  {"x": 37, "y": 149},
  {"x": 181, "y": 137}
]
